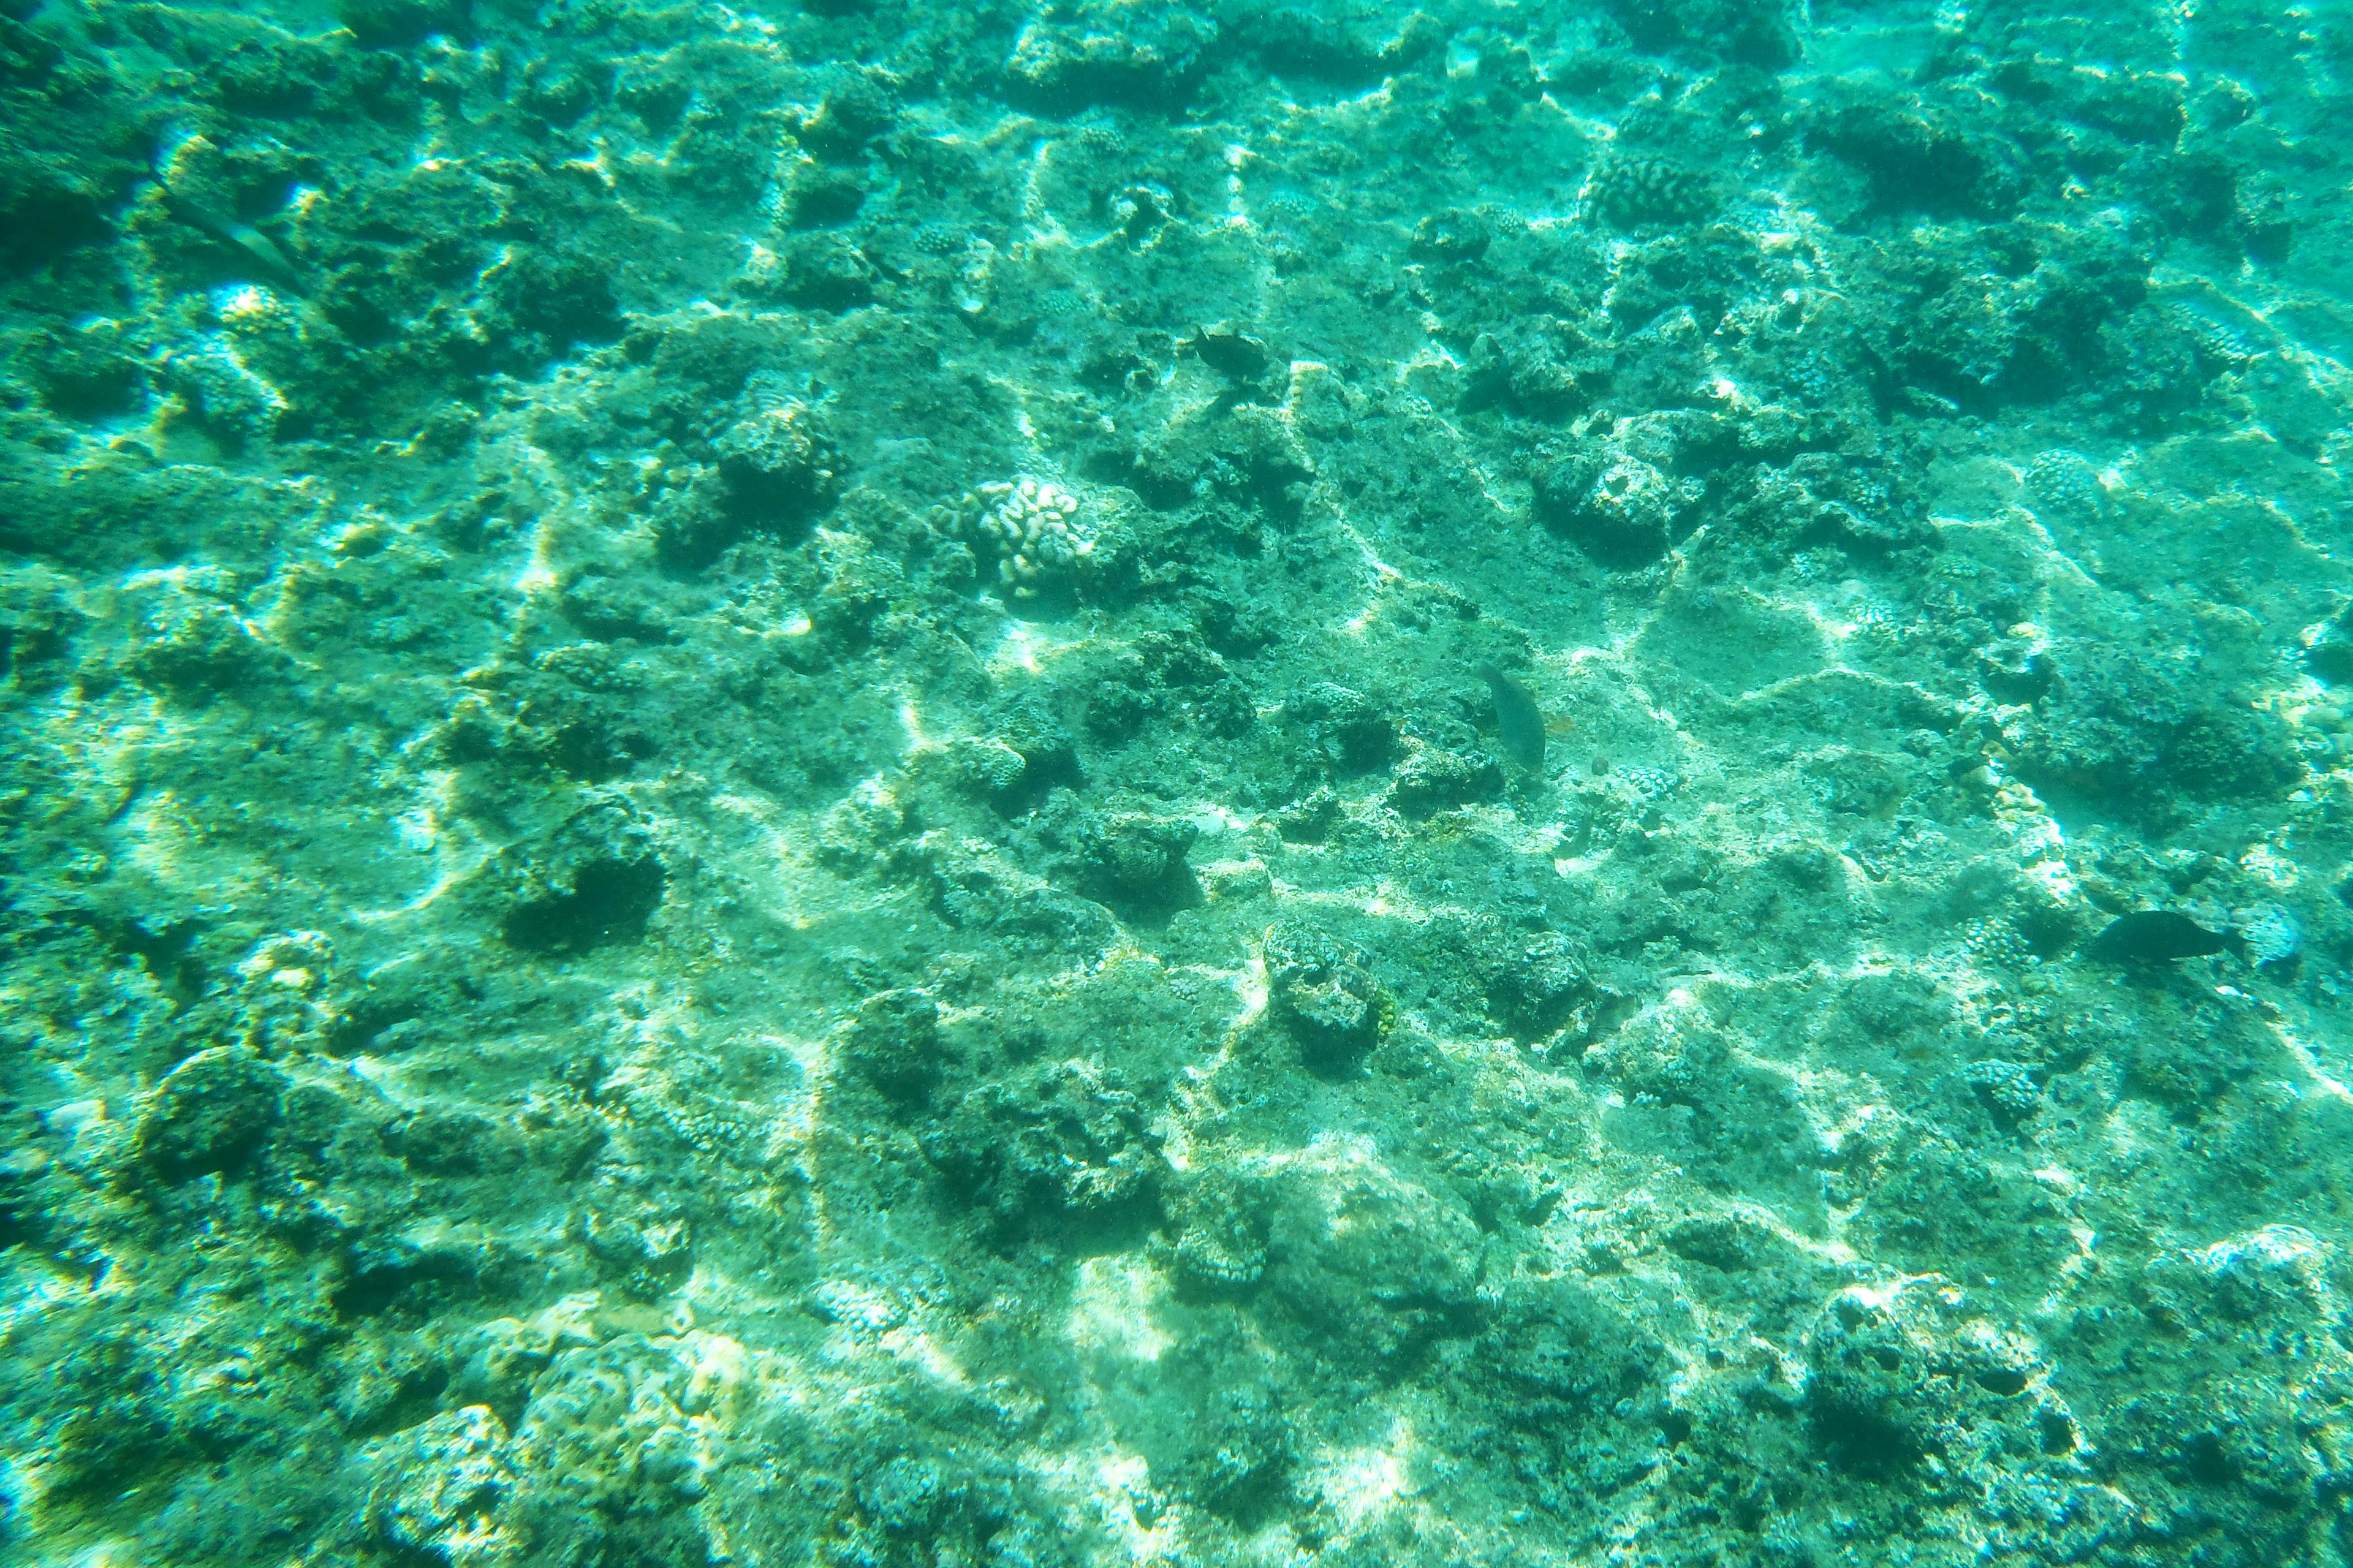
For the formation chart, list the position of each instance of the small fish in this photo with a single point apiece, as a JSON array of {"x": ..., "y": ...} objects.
[
  {"x": 1231, "y": 351},
  {"x": 1518, "y": 721},
  {"x": 270, "y": 258},
  {"x": 273, "y": 264},
  {"x": 2157, "y": 936}
]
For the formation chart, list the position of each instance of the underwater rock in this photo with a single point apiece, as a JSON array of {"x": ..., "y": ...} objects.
[
  {"x": 1347, "y": 726},
  {"x": 380, "y": 24},
  {"x": 985, "y": 767},
  {"x": 975, "y": 888},
  {"x": 1059, "y": 1149},
  {"x": 2329, "y": 653},
  {"x": 609, "y": 900},
  {"x": 1543, "y": 985},
  {"x": 197, "y": 650},
  {"x": 1112, "y": 51},
  {"x": 86, "y": 374},
  {"x": 1243, "y": 1460},
  {"x": 1397, "y": 1275},
  {"x": 1620, "y": 509},
  {"x": 857, "y": 109},
  {"x": 1456, "y": 234},
  {"x": 1431, "y": 778},
  {"x": 628, "y": 627},
  {"x": 1541, "y": 368},
  {"x": 777, "y": 462},
  {"x": 1310, "y": 817},
  {"x": 213, "y": 1113},
  {"x": 441, "y": 1483},
  {"x": 893, "y": 1043},
  {"x": 1136, "y": 857},
  {"x": 1561, "y": 1343},
  {"x": 1323, "y": 990},
  {"x": 1893, "y": 1383}
]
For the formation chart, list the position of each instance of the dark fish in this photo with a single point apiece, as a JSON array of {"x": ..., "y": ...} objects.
[
  {"x": 2157, "y": 936},
  {"x": 1231, "y": 351},
  {"x": 1518, "y": 721}
]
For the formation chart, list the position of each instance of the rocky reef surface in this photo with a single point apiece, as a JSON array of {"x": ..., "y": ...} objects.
[{"x": 753, "y": 810}]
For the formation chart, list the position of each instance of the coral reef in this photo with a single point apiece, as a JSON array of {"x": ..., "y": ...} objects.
[{"x": 754, "y": 805}]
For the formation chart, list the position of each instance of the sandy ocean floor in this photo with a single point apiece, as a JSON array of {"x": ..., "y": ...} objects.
[{"x": 902, "y": 786}]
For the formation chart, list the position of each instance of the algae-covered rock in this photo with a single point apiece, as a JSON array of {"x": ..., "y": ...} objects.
[
  {"x": 775, "y": 462},
  {"x": 1136, "y": 857},
  {"x": 1618, "y": 508},
  {"x": 1351, "y": 729},
  {"x": 1146, "y": 54},
  {"x": 1544, "y": 368},
  {"x": 214, "y": 1113},
  {"x": 1363, "y": 1259},
  {"x": 1247, "y": 1451},
  {"x": 1431, "y": 778},
  {"x": 378, "y": 23},
  {"x": 774, "y": 468},
  {"x": 1894, "y": 1384},
  {"x": 442, "y": 1482},
  {"x": 609, "y": 900},
  {"x": 593, "y": 881},
  {"x": 197, "y": 648},
  {"x": 750, "y": 815},
  {"x": 893, "y": 1043},
  {"x": 1062, "y": 1149}
]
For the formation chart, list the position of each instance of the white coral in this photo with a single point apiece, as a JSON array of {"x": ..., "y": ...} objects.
[
  {"x": 1033, "y": 527},
  {"x": 2272, "y": 934}
]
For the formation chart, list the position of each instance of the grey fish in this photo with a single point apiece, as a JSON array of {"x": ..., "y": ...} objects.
[
  {"x": 270, "y": 260},
  {"x": 1518, "y": 721},
  {"x": 268, "y": 257}
]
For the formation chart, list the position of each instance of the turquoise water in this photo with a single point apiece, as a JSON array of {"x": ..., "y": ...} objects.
[{"x": 1116, "y": 782}]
